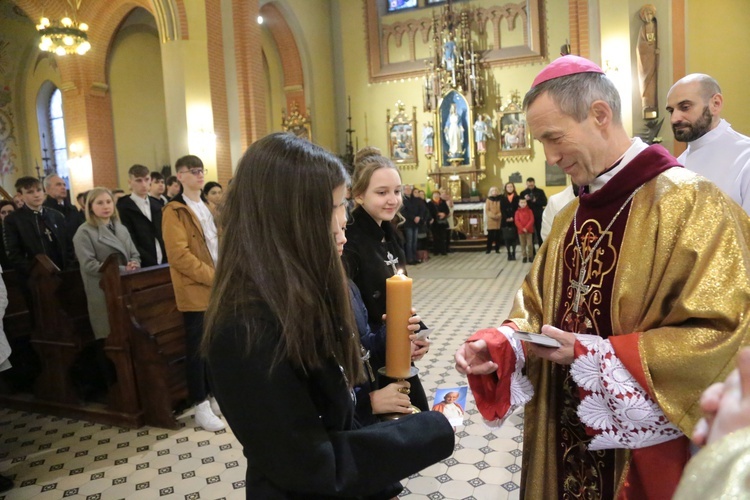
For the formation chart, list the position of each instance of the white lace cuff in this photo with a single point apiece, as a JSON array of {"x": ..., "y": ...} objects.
[
  {"x": 617, "y": 407},
  {"x": 521, "y": 390}
]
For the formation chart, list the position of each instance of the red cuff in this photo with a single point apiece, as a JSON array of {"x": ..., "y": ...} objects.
[
  {"x": 626, "y": 349},
  {"x": 492, "y": 392}
]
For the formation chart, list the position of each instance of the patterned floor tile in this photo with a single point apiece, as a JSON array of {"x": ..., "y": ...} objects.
[{"x": 57, "y": 458}]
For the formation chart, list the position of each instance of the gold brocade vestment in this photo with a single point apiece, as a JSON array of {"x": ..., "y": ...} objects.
[{"x": 681, "y": 285}]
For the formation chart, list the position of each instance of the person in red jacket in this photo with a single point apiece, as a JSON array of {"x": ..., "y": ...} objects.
[{"x": 525, "y": 224}]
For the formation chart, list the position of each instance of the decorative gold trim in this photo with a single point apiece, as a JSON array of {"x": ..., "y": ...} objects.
[{"x": 296, "y": 123}]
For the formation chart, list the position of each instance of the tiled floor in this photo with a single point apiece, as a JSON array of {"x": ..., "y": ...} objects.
[{"x": 52, "y": 458}]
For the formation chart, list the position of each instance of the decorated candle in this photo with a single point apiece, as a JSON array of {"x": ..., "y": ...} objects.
[{"x": 398, "y": 312}]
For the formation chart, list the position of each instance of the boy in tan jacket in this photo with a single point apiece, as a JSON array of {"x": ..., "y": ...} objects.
[{"x": 192, "y": 245}]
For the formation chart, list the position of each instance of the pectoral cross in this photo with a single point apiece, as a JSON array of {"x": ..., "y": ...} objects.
[
  {"x": 48, "y": 233},
  {"x": 580, "y": 288},
  {"x": 392, "y": 261}
]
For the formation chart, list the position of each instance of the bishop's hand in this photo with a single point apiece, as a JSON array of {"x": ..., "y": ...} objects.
[
  {"x": 473, "y": 358},
  {"x": 563, "y": 355}
]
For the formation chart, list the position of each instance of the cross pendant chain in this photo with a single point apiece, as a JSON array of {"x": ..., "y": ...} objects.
[
  {"x": 392, "y": 261},
  {"x": 581, "y": 288},
  {"x": 48, "y": 233}
]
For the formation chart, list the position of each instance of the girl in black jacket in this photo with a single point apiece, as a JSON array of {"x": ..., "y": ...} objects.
[
  {"x": 373, "y": 248},
  {"x": 508, "y": 207},
  {"x": 281, "y": 342}
]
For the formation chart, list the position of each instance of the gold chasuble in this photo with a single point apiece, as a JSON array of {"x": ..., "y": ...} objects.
[{"x": 666, "y": 282}]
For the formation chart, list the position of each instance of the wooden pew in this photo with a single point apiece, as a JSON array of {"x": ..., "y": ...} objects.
[
  {"x": 61, "y": 331},
  {"x": 142, "y": 312},
  {"x": 62, "y": 328}
]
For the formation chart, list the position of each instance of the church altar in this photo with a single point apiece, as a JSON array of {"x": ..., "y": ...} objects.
[{"x": 469, "y": 219}]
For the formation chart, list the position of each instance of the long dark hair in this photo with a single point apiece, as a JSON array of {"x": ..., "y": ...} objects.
[{"x": 277, "y": 251}]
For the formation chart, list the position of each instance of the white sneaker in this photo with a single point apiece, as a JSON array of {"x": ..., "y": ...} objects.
[
  {"x": 205, "y": 418},
  {"x": 215, "y": 406}
]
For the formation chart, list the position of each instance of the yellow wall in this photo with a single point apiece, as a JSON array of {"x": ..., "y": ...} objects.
[
  {"x": 310, "y": 21},
  {"x": 275, "y": 99},
  {"x": 717, "y": 44},
  {"x": 372, "y": 100},
  {"x": 19, "y": 84},
  {"x": 138, "y": 108}
]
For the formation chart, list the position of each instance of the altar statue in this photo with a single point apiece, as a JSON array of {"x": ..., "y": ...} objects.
[
  {"x": 648, "y": 61},
  {"x": 454, "y": 133},
  {"x": 449, "y": 54},
  {"x": 480, "y": 130},
  {"x": 428, "y": 139}
]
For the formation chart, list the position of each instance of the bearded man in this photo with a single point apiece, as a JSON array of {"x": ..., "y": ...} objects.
[
  {"x": 714, "y": 149},
  {"x": 644, "y": 282}
]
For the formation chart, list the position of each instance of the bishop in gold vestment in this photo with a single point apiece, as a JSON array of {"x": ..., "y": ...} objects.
[{"x": 645, "y": 281}]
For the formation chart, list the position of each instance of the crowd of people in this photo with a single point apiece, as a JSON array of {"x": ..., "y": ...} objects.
[{"x": 291, "y": 302}]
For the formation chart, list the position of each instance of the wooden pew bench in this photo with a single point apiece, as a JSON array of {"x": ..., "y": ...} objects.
[
  {"x": 59, "y": 332},
  {"x": 143, "y": 312}
]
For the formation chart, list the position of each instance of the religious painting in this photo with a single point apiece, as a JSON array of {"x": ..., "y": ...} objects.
[
  {"x": 514, "y": 137},
  {"x": 454, "y": 130},
  {"x": 554, "y": 175},
  {"x": 401, "y": 132}
]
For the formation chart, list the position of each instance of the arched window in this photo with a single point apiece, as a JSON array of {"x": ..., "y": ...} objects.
[{"x": 54, "y": 149}]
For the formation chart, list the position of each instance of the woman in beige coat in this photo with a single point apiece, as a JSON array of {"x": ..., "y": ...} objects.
[{"x": 494, "y": 218}]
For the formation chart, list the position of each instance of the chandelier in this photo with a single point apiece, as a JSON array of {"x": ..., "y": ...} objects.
[{"x": 66, "y": 36}]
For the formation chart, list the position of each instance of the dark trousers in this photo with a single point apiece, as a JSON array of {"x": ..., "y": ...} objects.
[
  {"x": 440, "y": 234},
  {"x": 410, "y": 247},
  {"x": 538, "y": 229},
  {"x": 195, "y": 364},
  {"x": 493, "y": 237}
]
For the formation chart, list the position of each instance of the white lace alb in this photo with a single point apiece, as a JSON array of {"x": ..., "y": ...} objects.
[{"x": 618, "y": 406}]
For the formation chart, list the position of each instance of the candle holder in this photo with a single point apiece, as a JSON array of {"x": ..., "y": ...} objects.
[{"x": 384, "y": 380}]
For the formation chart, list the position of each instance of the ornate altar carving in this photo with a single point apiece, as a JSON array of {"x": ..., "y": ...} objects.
[
  {"x": 454, "y": 89},
  {"x": 388, "y": 33},
  {"x": 297, "y": 123},
  {"x": 402, "y": 131}
]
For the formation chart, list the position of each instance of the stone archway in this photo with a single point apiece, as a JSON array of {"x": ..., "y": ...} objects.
[{"x": 294, "y": 78}]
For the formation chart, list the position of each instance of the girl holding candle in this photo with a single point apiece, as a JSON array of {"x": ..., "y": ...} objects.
[
  {"x": 280, "y": 335},
  {"x": 394, "y": 397},
  {"x": 374, "y": 251}
]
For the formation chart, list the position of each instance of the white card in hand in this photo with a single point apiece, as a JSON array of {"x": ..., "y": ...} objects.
[{"x": 536, "y": 338}]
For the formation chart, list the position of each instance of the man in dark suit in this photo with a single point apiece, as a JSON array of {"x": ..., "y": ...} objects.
[
  {"x": 34, "y": 229},
  {"x": 141, "y": 214},
  {"x": 536, "y": 200},
  {"x": 57, "y": 199}
]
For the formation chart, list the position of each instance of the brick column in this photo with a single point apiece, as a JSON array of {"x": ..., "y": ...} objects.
[
  {"x": 250, "y": 73},
  {"x": 218, "y": 84},
  {"x": 579, "y": 27}
]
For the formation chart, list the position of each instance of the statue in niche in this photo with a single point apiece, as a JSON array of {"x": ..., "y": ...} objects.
[
  {"x": 480, "y": 131},
  {"x": 449, "y": 54},
  {"x": 428, "y": 139},
  {"x": 648, "y": 61},
  {"x": 454, "y": 133}
]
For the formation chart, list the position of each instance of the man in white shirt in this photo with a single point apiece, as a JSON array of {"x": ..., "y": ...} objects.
[
  {"x": 156, "y": 191},
  {"x": 555, "y": 203},
  {"x": 141, "y": 214},
  {"x": 714, "y": 150}
]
